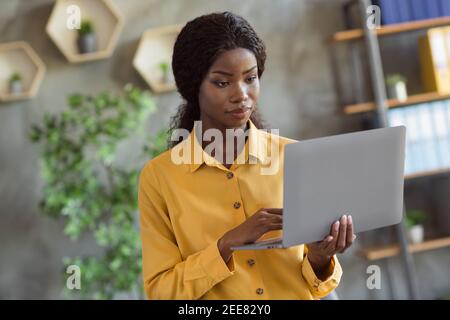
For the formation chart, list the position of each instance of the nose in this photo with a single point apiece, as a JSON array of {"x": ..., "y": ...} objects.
[{"x": 240, "y": 94}]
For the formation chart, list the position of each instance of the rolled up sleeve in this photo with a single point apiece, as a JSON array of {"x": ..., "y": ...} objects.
[{"x": 321, "y": 288}]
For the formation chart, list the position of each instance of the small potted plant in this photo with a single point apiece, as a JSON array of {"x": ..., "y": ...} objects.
[
  {"x": 414, "y": 222},
  {"x": 15, "y": 83},
  {"x": 87, "y": 41},
  {"x": 396, "y": 87},
  {"x": 167, "y": 76}
]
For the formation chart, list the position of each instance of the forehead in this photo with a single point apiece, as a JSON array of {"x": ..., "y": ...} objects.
[{"x": 235, "y": 59}]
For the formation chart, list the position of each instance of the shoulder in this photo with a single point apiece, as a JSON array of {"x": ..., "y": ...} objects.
[
  {"x": 273, "y": 136},
  {"x": 155, "y": 167}
]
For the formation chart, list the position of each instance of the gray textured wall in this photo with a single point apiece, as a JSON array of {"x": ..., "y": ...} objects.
[{"x": 297, "y": 96}]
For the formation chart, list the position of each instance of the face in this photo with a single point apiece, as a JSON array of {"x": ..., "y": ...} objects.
[{"x": 230, "y": 90}]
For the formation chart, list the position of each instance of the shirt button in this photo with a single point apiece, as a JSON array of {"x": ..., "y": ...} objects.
[
  {"x": 230, "y": 175},
  {"x": 237, "y": 205},
  {"x": 251, "y": 262},
  {"x": 259, "y": 291}
]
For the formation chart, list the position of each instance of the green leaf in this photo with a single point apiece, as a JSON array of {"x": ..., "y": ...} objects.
[
  {"x": 88, "y": 192},
  {"x": 75, "y": 100}
]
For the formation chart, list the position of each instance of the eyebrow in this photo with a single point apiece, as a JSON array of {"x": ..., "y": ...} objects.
[{"x": 230, "y": 74}]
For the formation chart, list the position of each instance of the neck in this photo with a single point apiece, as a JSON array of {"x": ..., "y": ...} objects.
[{"x": 224, "y": 147}]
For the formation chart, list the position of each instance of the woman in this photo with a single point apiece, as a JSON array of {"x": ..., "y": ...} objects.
[{"x": 193, "y": 212}]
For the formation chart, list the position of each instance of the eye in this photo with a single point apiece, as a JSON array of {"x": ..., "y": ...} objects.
[
  {"x": 252, "y": 79},
  {"x": 221, "y": 84}
]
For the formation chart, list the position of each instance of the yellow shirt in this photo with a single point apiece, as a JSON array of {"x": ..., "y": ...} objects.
[{"x": 186, "y": 208}]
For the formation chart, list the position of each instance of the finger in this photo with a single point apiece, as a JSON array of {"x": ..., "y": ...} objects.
[
  {"x": 278, "y": 211},
  {"x": 334, "y": 232},
  {"x": 330, "y": 247},
  {"x": 335, "y": 229},
  {"x": 349, "y": 232},
  {"x": 273, "y": 217},
  {"x": 342, "y": 234},
  {"x": 275, "y": 226},
  {"x": 325, "y": 244}
]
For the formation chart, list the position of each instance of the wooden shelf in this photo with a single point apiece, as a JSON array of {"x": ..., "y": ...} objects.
[
  {"x": 20, "y": 57},
  {"x": 427, "y": 173},
  {"x": 155, "y": 47},
  {"x": 392, "y": 103},
  {"x": 107, "y": 23},
  {"x": 376, "y": 253},
  {"x": 357, "y": 34}
]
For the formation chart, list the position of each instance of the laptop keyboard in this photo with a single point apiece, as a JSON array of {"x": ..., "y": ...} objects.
[{"x": 263, "y": 243}]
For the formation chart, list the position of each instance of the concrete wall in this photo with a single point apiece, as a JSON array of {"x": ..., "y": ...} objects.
[{"x": 297, "y": 96}]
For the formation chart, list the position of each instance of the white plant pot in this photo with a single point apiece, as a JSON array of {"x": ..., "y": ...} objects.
[
  {"x": 87, "y": 43},
  {"x": 398, "y": 91},
  {"x": 415, "y": 234},
  {"x": 16, "y": 87}
]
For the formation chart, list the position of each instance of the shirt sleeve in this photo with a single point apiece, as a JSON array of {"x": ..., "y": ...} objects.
[
  {"x": 321, "y": 288},
  {"x": 166, "y": 275}
]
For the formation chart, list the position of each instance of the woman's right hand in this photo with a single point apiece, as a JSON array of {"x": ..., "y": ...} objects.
[{"x": 263, "y": 221}]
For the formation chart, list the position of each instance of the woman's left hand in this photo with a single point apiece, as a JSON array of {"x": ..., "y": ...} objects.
[{"x": 340, "y": 239}]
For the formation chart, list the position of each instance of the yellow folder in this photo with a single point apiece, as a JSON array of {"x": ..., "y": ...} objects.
[{"x": 435, "y": 65}]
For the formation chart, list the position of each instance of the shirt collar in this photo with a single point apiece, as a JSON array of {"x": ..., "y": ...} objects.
[{"x": 255, "y": 148}]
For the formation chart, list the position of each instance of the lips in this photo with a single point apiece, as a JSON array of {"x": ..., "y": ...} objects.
[
  {"x": 240, "y": 113},
  {"x": 240, "y": 110}
]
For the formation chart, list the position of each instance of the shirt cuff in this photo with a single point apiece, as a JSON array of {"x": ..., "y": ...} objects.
[
  {"x": 214, "y": 266},
  {"x": 321, "y": 288}
]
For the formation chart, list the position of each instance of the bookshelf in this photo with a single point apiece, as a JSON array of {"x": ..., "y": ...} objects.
[
  {"x": 382, "y": 252},
  {"x": 107, "y": 23},
  {"x": 19, "y": 57},
  {"x": 379, "y": 108},
  {"x": 392, "y": 103},
  {"x": 155, "y": 47},
  {"x": 423, "y": 174},
  {"x": 358, "y": 34}
]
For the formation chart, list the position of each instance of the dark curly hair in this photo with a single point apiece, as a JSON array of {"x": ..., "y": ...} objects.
[{"x": 197, "y": 46}]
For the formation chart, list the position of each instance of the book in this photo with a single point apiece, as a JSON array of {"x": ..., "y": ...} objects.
[
  {"x": 427, "y": 141},
  {"x": 445, "y": 8},
  {"x": 433, "y": 8},
  {"x": 396, "y": 118},
  {"x": 389, "y": 14},
  {"x": 442, "y": 131},
  {"x": 434, "y": 63},
  {"x": 412, "y": 134},
  {"x": 404, "y": 10},
  {"x": 446, "y": 31},
  {"x": 418, "y": 9},
  {"x": 447, "y": 123}
]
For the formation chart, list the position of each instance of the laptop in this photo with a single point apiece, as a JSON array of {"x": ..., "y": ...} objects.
[{"x": 359, "y": 174}]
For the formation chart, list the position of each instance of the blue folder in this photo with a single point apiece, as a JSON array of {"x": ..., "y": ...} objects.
[
  {"x": 418, "y": 9},
  {"x": 445, "y": 8}
]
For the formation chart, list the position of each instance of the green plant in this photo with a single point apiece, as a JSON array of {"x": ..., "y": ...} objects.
[
  {"x": 15, "y": 77},
  {"x": 414, "y": 217},
  {"x": 393, "y": 79},
  {"x": 164, "y": 67},
  {"x": 89, "y": 191},
  {"x": 85, "y": 28}
]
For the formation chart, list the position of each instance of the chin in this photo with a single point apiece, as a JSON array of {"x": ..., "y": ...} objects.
[{"x": 237, "y": 123}]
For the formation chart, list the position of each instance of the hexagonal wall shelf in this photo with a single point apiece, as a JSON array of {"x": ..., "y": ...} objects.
[
  {"x": 155, "y": 48},
  {"x": 106, "y": 21},
  {"x": 19, "y": 58}
]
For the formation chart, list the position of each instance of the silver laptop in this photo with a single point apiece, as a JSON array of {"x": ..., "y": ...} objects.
[{"x": 360, "y": 174}]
